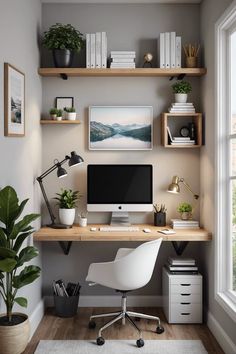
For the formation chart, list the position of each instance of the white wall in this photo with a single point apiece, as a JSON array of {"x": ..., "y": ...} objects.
[{"x": 20, "y": 158}]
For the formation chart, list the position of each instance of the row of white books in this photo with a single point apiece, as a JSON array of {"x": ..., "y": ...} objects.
[
  {"x": 178, "y": 140},
  {"x": 122, "y": 59},
  {"x": 184, "y": 224},
  {"x": 170, "y": 50},
  {"x": 96, "y": 50},
  {"x": 181, "y": 108}
]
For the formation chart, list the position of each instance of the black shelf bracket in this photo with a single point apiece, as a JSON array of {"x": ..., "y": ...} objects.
[
  {"x": 178, "y": 77},
  {"x": 179, "y": 246},
  {"x": 65, "y": 246},
  {"x": 64, "y": 76}
]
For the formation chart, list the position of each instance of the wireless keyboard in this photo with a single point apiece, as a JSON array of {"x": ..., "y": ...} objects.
[{"x": 119, "y": 228}]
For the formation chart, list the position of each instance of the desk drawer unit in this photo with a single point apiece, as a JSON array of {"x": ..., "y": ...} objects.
[{"x": 182, "y": 297}]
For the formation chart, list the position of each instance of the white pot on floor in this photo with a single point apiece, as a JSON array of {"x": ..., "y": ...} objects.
[{"x": 67, "y": 216}]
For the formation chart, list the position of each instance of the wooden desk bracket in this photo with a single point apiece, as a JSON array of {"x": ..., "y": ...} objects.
[
  {"x": 179, "y": 246},
  {"x": 65, "y": 246}
]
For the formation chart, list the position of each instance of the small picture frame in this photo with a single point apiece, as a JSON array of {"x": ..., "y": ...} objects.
[
  {"x": 14, "y": 101},
  {"x": 62, "y": 102}
]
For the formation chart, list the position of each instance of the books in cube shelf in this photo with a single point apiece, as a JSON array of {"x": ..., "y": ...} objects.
[{"x": 179, "y": 140}]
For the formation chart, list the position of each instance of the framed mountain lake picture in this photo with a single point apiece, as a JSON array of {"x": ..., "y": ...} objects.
[{"x": 120, "y": 127}]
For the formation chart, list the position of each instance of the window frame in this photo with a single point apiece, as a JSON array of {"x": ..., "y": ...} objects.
[{"x": 223, "y": 271}]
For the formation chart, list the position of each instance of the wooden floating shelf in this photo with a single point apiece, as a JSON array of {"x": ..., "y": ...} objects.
[
  {"x": 45, "y": 121},
  {"x": 138, "y": 72}
]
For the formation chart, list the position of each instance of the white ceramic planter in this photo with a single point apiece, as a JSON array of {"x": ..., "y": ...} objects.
[
  {"x": 67, "y": 216},
  {"x": 59, "y": 118},
  {"x": 185, "y": 215},
  {"x": 71, "y": 115},
  {"x": 83, "y": 221},
  {"x": 181, "y": 97}
]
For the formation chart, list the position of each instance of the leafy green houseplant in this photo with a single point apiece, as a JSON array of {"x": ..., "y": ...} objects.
[
  {"x": 181, "y": 89},
  {"x": 63, "y": 40},
  {"x": 70, "y": 113},
  {"x": 185, "y": 209},
  {"x": 67, "y": 201},
  {"x": 53, "y": 113},
  {"x": 14, "y": 274}
]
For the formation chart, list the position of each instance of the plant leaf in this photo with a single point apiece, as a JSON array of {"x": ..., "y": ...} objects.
[
  {"x": 20, "y": 239},
  {"x": 7, "y": 253},
  {"x": 8, "y": 206},
  {"x": 3, "y": 238},
  {"x": 26, "y": 276},
  {"x": 22, "y": 224},
  {"x": 7, "y": 265},
  {"x": 26, "y": 255},
  {"x": 22, "y": 301}
]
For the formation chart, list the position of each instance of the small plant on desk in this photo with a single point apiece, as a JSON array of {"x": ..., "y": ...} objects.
[
  {"x": 67, "y": 201},
  {"x": 83, "y": 218},
  {"x": 159, "y": 214},
  {"x": 185, "y": 209}
]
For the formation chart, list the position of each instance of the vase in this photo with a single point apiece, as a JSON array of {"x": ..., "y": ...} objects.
[
  {"x": 67, "y": 216},
  {"x": 62, "y": 58},
  {"x": 181, "y": 97}
]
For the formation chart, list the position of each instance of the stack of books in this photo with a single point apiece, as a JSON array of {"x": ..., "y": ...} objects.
[
  {"x": 179, "y": 140},
  {"x": 96, "y": 50},
  {"x": 122, "y": 59},
  {"x": 59, "y": 288},
  {"x": 170, "y": 50},
  {"x": 181, "y": 266},
  {"x": 181, "y": 108},
  {"x": 184, "y": 224}
]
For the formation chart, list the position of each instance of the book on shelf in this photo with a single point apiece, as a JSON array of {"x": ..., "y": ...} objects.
[
  {"x": 167, "y": 50},
  {"x": 124, "y": 52},
  {"x": 98, "y": 50},
  {"x": 182, "y": 143},
  {"x": 88, "y": 48},
  {"x": 162, "y": 51},
  {"x": 181, "y": 270},
  {"x": 172, "y": 49},
  {"x": 178, "y": 52},
  {"x": 181, "y": 261},
  {"x": 179, "y": 140},
  {"x": 92, "y": 50},
  {"x": 104, "y": 49},
  {"x": 122, "y": 65},
  {"x": 181, "y": 108},
  {"x": 122, "y": 60},
  {"x": 169, "y": 46}
]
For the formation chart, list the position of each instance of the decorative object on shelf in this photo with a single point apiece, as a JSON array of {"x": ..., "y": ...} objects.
[
  {"x": 53, "y": 113},
  {"x": 184, "y": 131},
  {"x": 120, "y": 127},
  {"x": 67, "y": 200},
  {"x": 169, "y": 50},
  {"x": 191, "y": 53},
  {"x": 147, "y": 60},
  {"x": 159, "y": 215},
  {"x": 73, "y": 160},
  {"x": 83, "y": 221},
  {"x": 96, "y": 50},
  {"x": 122, "y": 59},
  {"x": 181, "y": 108},
  {"x": 59, "y": 114},
  {"x": 181, "y": 89},
  {"x": 64, "y": 41},
  {"x": 185, "y": 210},
  {"x": 14, "y": 101},
  {"x": 70, "y": 113},
  {"x": 14, "y": 327},
  {"x": 62, "y": 102},
  {"x": 175, "y": 188},
  {"x": 192, "y": 130},
  {"x": 179, "y": 141}
]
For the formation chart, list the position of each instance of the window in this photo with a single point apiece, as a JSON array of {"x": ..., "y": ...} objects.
[{"x": 226, "y": 161}]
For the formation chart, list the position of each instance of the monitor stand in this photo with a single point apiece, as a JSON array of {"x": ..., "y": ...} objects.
[{"x": 120, "y": 219}]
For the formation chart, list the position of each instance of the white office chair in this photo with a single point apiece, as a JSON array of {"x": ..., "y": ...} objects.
[{"x": 130, "y": 270}]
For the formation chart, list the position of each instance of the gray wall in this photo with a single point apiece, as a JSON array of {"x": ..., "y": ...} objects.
[
  {"x": 211, "y": 10},
  {"x": 134, "y": 27},
  {"x": 21, "y": 157}
]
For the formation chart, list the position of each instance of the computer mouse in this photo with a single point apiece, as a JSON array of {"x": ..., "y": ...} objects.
[
  {"x": 147, "y": 231},
  {"x": 93, "y": 228}
]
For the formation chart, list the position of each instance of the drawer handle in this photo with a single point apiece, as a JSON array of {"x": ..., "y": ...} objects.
[
  {"x": 185, "y": 303},
  {"x": 185, "y": 284},
  {"x": 185, "y": 294},
  {"x": 185, "y": 313}
]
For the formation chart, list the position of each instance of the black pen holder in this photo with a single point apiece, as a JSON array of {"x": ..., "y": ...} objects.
[
  {"x": 160, "y": 219},
  {"x": 66, "y": 306}
]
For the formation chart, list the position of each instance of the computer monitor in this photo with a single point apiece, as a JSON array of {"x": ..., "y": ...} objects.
[{"x": 120, "y": 189}]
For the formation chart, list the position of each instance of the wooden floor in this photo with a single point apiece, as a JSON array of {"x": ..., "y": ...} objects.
[{"x": 53, "y": 327}]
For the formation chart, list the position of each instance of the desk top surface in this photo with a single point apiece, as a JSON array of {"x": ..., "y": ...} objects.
[{"x": 77, "y": 233}]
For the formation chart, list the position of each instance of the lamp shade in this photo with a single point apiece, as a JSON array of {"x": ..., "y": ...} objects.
[
  {"x": 75, "y": 159},
  {"x": 174, "y": 186},
  {"x": 61, "y": 172}
]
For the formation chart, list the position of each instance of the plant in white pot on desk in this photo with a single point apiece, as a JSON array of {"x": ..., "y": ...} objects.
[
  {"x": 181, "y": 89},
  {"x": 185, "y": 210},
  {"x": 14, "y": 275},
  {"x": 67, "y": 200},
  {"x": 70, "y": 113}
]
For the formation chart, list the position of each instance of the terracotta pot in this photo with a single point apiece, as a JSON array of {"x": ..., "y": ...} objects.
[{"x": 14, "y": 339}]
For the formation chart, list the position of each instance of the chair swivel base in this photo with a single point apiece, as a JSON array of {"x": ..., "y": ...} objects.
[{"x": 123, "y": 315}]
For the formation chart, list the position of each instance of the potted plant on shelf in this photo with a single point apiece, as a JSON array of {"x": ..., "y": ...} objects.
[
  {"x": 53, "y": 113},
  {"x": 64, "y": 41},
  {"x": 14, "y": 327},
  {"x": 181, "y": 89},
  {"x": 185, "y": 210},
  {"x": 159, "y": 215},
  {"x": 70, "y": 113},
  {"x": 67, "y": 200},
  {"x": 59, "y": 114}
]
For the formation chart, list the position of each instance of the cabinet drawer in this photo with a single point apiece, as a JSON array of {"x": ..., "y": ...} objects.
[
  {"x": 194, "y": 279},
  {"x": 186, "y": 298},
  {"x": 185, "y": 313},
  {"x": 185, "y": 288}
]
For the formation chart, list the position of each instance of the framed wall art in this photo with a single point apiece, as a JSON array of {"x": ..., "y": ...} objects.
[
  {"x": 62, "y": 102},
  {"x": 14, "y": 101},
  {"x": 120, "y": 127}
]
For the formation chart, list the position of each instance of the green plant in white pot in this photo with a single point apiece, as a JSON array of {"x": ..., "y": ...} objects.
[
  {"x": 67, "y": 201},
  {"x": 185, "y": 210},
  {"x": 181, "y": 89},
  {"x": 70, "y": 113},
  {"x": 14, "y": 275}
]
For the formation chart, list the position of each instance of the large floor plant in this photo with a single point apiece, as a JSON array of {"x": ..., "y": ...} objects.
[{"x": 13, "y": 272}]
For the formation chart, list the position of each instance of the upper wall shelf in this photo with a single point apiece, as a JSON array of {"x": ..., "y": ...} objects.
[{"x": 138, "y": 72}]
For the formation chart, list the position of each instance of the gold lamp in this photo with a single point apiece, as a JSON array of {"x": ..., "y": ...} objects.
[{"x": 175, "y": 188}]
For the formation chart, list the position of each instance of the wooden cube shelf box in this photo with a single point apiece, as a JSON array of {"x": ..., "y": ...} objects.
[{"x": 176, "y": 120}]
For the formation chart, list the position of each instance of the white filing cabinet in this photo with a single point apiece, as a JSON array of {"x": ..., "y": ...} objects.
[{"x": 182, "y": 297}]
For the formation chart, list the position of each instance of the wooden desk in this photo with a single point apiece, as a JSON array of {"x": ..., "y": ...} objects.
[{"x": 77, "y": 233}]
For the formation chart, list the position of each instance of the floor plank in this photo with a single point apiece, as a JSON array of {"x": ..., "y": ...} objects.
[{"x": 53, "y": 327}]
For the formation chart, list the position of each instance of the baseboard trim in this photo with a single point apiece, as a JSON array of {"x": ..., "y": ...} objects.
[
  {"x": 224, "y": 340},
  {"x": 36, "y": 317},
  {"x": 113, "y": 301}
]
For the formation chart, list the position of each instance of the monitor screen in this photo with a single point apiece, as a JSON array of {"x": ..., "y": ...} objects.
[{"x": 119, "y": 184}]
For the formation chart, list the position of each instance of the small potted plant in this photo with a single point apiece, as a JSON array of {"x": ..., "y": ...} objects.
[
  {"x": 53, "y": 113},
  {"x": 70, "y": 113},
  {"x": 67, "y": 201},
  {"x": 64, "y": 41},
  {"x": 159, "y": 215},
  {"x": 59, "y": 114},
  {"x": 14, "y": 274},
  {"x": 181, "y": 89},
  {"x": 185, "y": 210},
  {"x": 83, "y": 219}
]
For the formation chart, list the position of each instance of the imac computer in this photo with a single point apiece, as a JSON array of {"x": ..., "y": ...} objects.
[{"x": 120, "y": 189}]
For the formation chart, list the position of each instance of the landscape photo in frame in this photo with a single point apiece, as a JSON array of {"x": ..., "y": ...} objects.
[{"x": 120, "y": 127}]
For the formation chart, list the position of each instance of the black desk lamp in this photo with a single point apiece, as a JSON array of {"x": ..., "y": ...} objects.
[{"x": 73, "y": 160}]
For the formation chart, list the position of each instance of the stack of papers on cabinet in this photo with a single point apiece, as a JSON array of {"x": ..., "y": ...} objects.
[
  {"x": 181, "y": 265},
  {"x": 122, "y": 59},
  {"x": 184, "y": 224}
]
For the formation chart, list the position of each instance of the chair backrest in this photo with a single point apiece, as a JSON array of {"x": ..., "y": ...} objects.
[{"x": 135, "y": 270}]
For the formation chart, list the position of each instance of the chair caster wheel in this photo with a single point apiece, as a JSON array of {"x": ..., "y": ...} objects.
[
  {"x": 92, "y": 324},
  {"x": 160, "y": 330},
  {"x": 100, "y": 341},
  {"x": 140, "y": 343}
]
